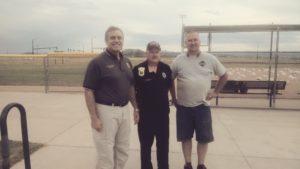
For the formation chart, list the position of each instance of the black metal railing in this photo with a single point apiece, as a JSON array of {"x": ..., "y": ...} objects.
[{"x": 4, "y": 135}]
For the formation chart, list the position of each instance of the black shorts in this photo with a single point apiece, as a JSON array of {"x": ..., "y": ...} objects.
[{"x": 198, "y": 119}]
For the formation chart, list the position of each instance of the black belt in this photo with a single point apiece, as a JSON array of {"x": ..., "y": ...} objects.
[{"x": 115, "y": 104}]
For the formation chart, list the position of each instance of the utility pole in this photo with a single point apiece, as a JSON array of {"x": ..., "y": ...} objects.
[
  {"x": 182, "y": 16},
  {"x": 209, "y": 40},
  {"x": 32, "y": 45},
  {"x": 257, "y": 51},
  {"x": 92, "y": 45},
  {"x": 82, "y": 43}
]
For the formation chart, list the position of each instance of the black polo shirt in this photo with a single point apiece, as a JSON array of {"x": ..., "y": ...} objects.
[
  {"x": 110, "y": 78},
  {"x": 152, "y": 88}
]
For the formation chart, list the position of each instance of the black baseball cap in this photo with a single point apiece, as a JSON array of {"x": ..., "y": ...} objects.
[{"x": 153, "y": 45}]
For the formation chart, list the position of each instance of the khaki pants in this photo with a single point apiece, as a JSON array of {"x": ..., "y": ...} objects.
[{"x": 112, "y": 143}]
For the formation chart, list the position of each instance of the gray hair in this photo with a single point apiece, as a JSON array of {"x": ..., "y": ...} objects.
[
  {"x": 111, "y": 29},
  {"x": 190, "y": 32}
]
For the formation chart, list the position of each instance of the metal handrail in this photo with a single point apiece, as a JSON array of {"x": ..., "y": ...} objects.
[{"x": 4, "y": 135}]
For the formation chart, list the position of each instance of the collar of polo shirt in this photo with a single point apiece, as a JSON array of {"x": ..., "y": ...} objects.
[
  {"x": 198, "y": 54},
  {"x": 112, "y": 55}
]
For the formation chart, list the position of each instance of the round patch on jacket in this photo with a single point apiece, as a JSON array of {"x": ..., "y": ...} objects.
[
  {"x": 164, "y": 75},
  {"x": 202, "y": 63}
]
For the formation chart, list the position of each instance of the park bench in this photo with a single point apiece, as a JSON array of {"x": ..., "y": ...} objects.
[{"x": 250, "y": 87}]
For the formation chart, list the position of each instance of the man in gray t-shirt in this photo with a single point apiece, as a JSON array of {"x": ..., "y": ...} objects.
[{"x": 194, "y": 71}]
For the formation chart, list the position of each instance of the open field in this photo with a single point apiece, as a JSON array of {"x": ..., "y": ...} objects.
[
  {"x": 30, "y": 71},
  {"x": 68, "y": 71}
]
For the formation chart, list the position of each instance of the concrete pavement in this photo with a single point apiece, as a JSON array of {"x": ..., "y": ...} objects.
[{"x": 245, "y": 138}]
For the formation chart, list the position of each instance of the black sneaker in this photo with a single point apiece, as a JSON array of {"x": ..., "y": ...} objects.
[
  {"x": 188, "y": 166},
  {"x": 202, "y": 166}
]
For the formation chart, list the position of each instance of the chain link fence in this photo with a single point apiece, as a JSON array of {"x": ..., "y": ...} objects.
[
  {"x": 64, "y": 72},
  {"x": 52, "y": 70}
]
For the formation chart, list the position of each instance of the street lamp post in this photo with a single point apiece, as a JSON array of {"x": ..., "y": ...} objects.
[
  {"x": 182, "y": 16},
  {"x": 32, "y": 46},
  {"x": 92, "y": 45}
]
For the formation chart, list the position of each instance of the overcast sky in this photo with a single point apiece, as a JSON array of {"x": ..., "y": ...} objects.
[{"x": 72, "y": 23}]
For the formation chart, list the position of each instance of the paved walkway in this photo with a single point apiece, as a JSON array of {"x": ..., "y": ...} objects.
[{"x": 245, "y": 138}]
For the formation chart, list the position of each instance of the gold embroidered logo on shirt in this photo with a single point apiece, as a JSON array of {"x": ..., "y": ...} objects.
[{"x": 141, "y": 71}]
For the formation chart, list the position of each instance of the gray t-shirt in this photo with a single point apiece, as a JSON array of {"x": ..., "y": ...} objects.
[{"x": 194, "y": 75}]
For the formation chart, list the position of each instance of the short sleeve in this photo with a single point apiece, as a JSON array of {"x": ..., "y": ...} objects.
[
  {"x": 130, "y": 64},
  {"x": 135, "y": 77},
  {"x": 174, "y": 69},
  {"x": 170, "y": 77},
  {"x": 218, "y": 67},
  {"x": 92, "y": 76}
]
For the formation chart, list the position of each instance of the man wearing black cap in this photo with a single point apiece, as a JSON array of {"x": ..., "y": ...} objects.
[{"x": 153, "y": 80}]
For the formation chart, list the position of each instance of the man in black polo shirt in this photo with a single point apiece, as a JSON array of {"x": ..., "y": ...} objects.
[
  {"x": 153, "y": 80},
  {"x": 108, "y": 87}
]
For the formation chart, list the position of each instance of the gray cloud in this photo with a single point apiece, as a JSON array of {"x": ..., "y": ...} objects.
[{"x": 72, "y": 24}]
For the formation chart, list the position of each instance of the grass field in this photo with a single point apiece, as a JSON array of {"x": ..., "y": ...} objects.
[
  {"x": 69, "y": 71},
  {"x": 21, "y": 71},
  {"x": 28, "y": 71}
]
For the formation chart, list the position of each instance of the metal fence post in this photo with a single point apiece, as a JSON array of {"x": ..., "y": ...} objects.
[
  {"x": 46, "y": 78},
  {"x": 270, "y": 68},
  {"x": 276, "y": 66}
]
